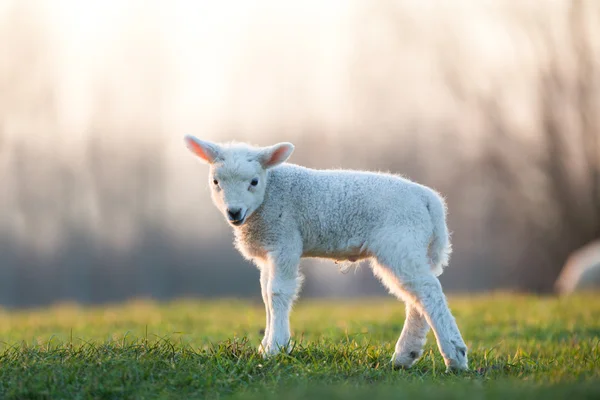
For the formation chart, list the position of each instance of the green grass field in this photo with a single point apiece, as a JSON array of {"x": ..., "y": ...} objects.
[{"x": 520, "y": 347}]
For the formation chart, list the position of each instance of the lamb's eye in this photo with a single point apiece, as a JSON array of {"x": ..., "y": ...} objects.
[
  {"x": 254, "y": 182},
  {"x": 216, "y": 182}
]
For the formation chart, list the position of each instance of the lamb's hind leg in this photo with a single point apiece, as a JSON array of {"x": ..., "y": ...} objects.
[
  {"x": 426, "y": 293},
  {"x": 408, "y": 275},
  {"x": 409, "y": 347}
]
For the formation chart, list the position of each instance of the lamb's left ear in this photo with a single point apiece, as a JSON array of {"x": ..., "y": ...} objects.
[{"x": 275, "y": 155}]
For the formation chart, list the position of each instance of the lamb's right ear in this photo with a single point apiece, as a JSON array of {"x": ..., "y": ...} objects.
[
  {"x": 205, "y": 150},
  {"x": 275, "y": 155}
]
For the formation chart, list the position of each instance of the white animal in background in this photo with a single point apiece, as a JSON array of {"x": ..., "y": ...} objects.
[
  {"x": 282, "y": 212},
  {"x": 581, "y": 271}
]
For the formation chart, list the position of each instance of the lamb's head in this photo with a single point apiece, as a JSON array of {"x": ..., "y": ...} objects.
[{"x": 238, "y": 173}]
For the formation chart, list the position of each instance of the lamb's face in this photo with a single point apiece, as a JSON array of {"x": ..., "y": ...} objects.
[
  {"x": 238, "y": 187},
  {"x": 238, "y": 173}
]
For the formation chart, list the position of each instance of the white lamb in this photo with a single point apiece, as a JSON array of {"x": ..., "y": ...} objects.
[
  {"x": 283, "y": 212},
  {"x": 581, "y": 271}
]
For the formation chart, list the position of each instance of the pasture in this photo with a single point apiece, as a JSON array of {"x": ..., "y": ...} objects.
[{"x": 520, "y": 347}]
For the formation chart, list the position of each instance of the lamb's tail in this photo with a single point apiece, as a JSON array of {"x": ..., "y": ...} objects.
[{"x": 439, "y": 247}]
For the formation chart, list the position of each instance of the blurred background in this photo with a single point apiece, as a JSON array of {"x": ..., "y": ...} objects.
[{"x": 493, "y": 103}]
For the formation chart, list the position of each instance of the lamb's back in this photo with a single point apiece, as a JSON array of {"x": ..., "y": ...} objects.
[{"x": 338, "y": 208}]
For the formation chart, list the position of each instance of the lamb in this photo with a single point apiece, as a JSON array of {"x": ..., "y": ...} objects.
[
  {"x": 581, "y": 271},
  {"x": 282, "y": 212}
]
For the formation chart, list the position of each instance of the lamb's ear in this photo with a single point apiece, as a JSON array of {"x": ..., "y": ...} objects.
[
  {"x": 275, "y": 155},
  {"x": 205, "y": 150}
]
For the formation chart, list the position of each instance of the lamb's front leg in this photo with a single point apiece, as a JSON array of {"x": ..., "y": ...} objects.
[
  {"x": 282, "y": 289},
  {"x": 264, "y": 285}
]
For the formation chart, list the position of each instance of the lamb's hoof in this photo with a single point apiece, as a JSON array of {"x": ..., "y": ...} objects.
[
  {"x": 459, "y": 360},
  {"x": 456, "y": 368},
  {"x": 268, "y": 352},
  {"x": 262, "y": 348},
  {"x": 273, "y": 350},
  {"x": 406, "y": 359}
]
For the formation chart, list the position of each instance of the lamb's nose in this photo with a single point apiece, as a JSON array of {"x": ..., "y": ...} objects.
[{"x": 234, "y": 214}]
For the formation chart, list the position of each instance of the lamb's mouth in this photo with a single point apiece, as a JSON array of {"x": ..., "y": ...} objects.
[{"x": 238, "y": 222}]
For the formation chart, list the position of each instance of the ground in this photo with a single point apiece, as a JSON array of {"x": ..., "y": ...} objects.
[{"x": 520, "y": 347}]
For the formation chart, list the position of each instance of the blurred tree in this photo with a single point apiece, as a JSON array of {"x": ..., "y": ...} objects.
[
  {"x": 546, "y": 188},
  {"x": 574, "y": 184}
]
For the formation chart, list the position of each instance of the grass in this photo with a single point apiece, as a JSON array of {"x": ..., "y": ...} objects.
[{"x": 520, "y": 347}]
